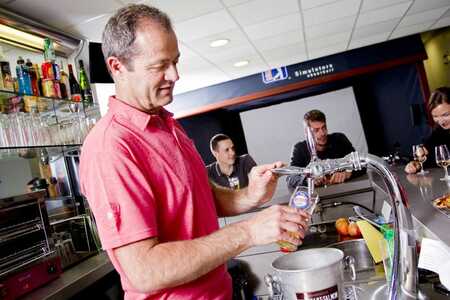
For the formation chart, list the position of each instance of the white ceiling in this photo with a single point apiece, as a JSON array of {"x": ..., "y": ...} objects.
[{"x": 267, "y": 33}]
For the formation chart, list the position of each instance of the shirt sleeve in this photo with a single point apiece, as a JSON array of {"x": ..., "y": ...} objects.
[
  {"x": 120, "y": 196},
  {"x": 249, "y": 163},
  {"x": 346, "y": 145}
]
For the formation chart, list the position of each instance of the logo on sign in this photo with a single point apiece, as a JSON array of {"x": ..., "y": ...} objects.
[{"x": 275, "y": 74}]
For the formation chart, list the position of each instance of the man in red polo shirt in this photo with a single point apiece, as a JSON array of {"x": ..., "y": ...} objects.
[{"x": 147, "y": 186}]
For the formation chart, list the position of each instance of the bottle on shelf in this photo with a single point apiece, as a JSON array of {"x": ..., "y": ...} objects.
[
  {"x": 6, "y": 80},
  {"x": 23, "y": 77},
  {"x": 33, "y": 77},
  {"x": 75, "y": 91},
  {"x": 64, "y": 83},
  {"x": 49, "y": 50},
  {"x": 86, "y": 92}
]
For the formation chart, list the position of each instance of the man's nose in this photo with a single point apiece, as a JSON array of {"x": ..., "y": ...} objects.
[{"x": 172, "y": 73}]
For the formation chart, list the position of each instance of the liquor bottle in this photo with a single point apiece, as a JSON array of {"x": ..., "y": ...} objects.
[
  {"x": 75, "y": 91},
  {"x": 33, "y": 77},
  {"x": 23, "y": 77},
  {"x": 49, "y": 50},
  {"x": 6, "y": 80},
  {"x": 86, "y": 92},
  {"x": 64, "y": 81}
]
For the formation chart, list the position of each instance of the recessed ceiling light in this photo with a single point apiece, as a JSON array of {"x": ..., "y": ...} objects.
[
  {"x": 241, "y": 63},
  {"x": 219, "y": 43}
]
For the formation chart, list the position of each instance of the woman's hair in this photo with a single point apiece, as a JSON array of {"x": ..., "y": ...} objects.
[{"x": 439, "y": 96}]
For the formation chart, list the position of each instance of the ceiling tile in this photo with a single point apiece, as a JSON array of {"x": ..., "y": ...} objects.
[
  {"x": 308, "y": 4},
  {"x": 332, "y": 49},
  {"x": 235, "y": 36},
  {"x": 408, "y": 30},
  {"x": 333, "y": 11},
  {"x": 205, "y": 25},
  {"x": 442, "y": 22},
  {"x": 190, "y": 60},
  {"x": 372, "y": 4},
  {"x": 274, "y": 26},
  {"x": 260, "y": 10},
  {"x": 329, "y": 28},
  {"x": 182, "y": 10},
  {"x": 372, "y": 29},
  {"x": 282, "y": 52},
  {"x": 423, "y": 5},
  {"x": 382, "y": 14},
  {"x": 56, "y": 13},
  {"x": 256, "y": 65},
  {"x": 324, "y": 42},
  {"x": 91, "y": 30},
  {"x": 233, "y": 2},
  {"x": 447, "y": 14},
  {"x": 278, "y": 41},
  {"x": 369, "y": 40},
  {"x": 418, "y": 18},
  {"x": 238, "y": 52},
  {"x": 199, "y": 78},
  {"x": 287, "y": 60}
]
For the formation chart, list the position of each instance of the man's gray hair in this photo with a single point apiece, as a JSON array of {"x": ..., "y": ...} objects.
[{"x": 120, "y": 31}]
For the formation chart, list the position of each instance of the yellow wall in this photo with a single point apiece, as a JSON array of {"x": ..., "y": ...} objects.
[{"x": 437, "y": 44}]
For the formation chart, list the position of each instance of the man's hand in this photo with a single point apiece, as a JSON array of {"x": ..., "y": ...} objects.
[
  {"x": 412, "y": 167},
  {"x": 339, "y": 177},
  {"x": 262, "y": 183},
  {"x": 274, "y": 223}
]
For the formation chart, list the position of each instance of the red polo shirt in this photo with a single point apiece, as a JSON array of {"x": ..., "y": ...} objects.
[{"x": 143, "y": 178}]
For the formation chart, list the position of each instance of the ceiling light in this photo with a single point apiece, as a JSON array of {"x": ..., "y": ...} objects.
[
  {"x": 219, "y": 43},
  {"x": 241, "y": 63}
]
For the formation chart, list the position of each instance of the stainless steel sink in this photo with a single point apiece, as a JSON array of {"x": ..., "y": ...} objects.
[{"x": 359, "y": 251}]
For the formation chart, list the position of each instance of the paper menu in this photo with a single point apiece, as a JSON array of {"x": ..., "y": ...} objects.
[{"x": 435, "y": 256}]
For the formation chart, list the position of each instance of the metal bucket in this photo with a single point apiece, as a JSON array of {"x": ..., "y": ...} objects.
[{"x": 308, "y": 274}]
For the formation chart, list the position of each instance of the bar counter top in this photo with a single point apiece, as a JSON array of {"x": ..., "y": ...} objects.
[{"x": 421, "y": 190}]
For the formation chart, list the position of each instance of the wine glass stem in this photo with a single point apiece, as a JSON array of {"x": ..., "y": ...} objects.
[
  {"x": 421, "y": 168},
  {"x": 446, "y": 172}
]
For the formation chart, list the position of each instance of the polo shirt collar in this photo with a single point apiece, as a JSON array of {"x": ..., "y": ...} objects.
[
  {"x": 219, "y": 172},
  {"x": 137, "y": 117}
]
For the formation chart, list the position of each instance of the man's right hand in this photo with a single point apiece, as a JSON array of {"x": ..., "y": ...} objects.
[
  {"x": 412, "y": 167},
  {"x": 273, "y": 224}
]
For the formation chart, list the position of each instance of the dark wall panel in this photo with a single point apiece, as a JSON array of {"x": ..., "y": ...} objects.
[
  {"x": 392, "y": 109},
  {"x": 201, "y": 128}
]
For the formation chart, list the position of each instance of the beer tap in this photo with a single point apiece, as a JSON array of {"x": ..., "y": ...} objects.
[{"x": 404, "y": 283}]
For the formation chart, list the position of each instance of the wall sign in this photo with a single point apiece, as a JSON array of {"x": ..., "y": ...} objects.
[{"x": 276, "y": 74}]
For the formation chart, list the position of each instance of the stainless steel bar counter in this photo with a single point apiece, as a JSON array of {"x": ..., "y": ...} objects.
[{"x": 421, "y": 191}]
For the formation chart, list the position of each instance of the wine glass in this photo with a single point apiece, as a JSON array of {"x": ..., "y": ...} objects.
[
  {"x": 420, "y": 155},
  {"x": 443, "y": 159}
]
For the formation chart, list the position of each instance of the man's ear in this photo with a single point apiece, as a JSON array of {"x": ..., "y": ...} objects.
[
  {"x": 115, "y": 66},
  {"x": 214, "y": 153}
]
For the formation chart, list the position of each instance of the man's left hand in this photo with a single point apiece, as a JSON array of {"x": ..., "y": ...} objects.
[
  {"x": 339, "y": 177},
  {"x": 262, "y": 183}
]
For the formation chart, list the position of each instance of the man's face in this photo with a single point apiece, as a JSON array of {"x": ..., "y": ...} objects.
[
  {"x": 441, "y": 115},
  {"x": 320, "y": 132},
  {"x": 225, "y": 153},
  {"x": 151, "y": 77}
]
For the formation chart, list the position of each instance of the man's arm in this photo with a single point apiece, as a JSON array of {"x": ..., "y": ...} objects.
[
  {"x": 151, "y": 266},
  {"x": 262, "y": 184}
]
